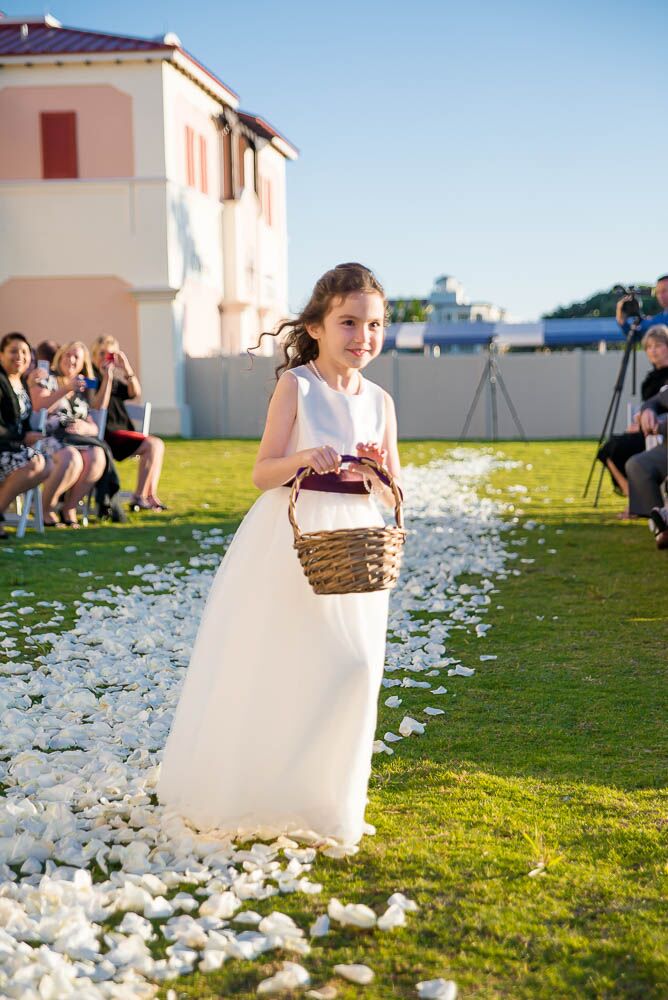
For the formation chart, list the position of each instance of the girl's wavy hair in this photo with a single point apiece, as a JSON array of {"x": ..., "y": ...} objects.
[{"x": 298, "y": 345}]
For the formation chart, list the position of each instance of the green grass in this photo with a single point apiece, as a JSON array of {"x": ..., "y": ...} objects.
[{"x": 555, "y": 752}]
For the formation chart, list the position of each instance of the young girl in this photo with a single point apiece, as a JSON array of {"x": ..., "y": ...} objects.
[{"x": 274, "y": 729}]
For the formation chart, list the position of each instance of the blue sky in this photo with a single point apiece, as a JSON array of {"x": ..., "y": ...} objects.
[{"x": 520, "y": 146}]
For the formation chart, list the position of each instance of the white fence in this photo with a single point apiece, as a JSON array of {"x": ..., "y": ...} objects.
[{"x": 559, "y": 395}]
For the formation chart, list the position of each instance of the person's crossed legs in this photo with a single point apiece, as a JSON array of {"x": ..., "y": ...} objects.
[{"x": 645, "y": 473}]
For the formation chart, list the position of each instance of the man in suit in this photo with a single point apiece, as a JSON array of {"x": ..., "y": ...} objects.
[{"x": 648, "y": 470}]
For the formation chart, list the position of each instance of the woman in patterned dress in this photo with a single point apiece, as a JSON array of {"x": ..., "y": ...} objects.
[{"x": 21, "y": 466}]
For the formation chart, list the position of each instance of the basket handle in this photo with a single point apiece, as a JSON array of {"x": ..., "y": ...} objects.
[{"x": 383, "y": 474}]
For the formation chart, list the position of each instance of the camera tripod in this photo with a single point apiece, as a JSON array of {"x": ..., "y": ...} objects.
[
  {"x": 492, "y": 376},
  {"x": 611, "y": 417}
]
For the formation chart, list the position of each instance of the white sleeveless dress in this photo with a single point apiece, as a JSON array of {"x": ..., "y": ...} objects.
[{"x": 274, "y": 728}]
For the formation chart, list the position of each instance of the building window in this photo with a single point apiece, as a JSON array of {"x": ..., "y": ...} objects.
[
  {"x": 59, "y": 144},
  {"x": 203, "y": 177},
  {"x": 190, "y": 156}
]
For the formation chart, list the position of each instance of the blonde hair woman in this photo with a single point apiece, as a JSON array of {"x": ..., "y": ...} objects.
[
  {"x": 68, "y": 393},
  {"x": 120, "y": 435}
]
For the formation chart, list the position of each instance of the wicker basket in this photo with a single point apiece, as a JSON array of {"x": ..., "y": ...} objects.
[{"x": 350, "y": 560}]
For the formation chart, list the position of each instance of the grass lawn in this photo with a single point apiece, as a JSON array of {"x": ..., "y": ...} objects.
[{"x": 554, "y": 753}]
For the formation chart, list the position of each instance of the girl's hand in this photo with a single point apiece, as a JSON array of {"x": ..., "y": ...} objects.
[
  {"x": 370, "y": 449},
  {"x": 321, "y": 460}
]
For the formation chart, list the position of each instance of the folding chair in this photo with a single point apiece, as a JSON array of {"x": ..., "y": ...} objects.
[
  {"x": 140, "y": 415},
  {"x": 100, "y": 418},
  {"x": 31, "y": 499}
]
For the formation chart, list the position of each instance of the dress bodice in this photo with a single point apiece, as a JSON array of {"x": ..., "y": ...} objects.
[{"x": 326, "y": 416}]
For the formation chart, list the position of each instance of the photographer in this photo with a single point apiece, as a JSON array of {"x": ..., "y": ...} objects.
[{"x": 624, "y": 318}]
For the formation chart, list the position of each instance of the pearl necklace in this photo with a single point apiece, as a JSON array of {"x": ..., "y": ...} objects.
[{"x": 359, "y": 383}]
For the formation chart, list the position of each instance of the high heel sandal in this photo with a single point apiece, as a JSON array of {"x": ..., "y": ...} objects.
[
  {"x": 157, "y": 504},
  {"x": 136, "y": 504}
]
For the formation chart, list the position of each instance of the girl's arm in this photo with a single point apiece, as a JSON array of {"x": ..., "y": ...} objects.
[
  {"x": 272, "y": 466},
  {"x": 390, "y": 439},
  {"x": 386, "y": 454}
]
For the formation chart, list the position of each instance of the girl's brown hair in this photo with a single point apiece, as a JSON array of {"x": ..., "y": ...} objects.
[
  {"x": 298, "y": 345},
  {"x": 87, "y": 368}
]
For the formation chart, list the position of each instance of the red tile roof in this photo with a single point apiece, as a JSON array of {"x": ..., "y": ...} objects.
[
  {"x": 263, "y": 128},
  {"x": 44, "y": 36},
  {"x": 44, "y": 39}
]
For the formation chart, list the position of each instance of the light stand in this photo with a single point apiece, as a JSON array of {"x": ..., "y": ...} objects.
[{"x": 492, "y": 376}]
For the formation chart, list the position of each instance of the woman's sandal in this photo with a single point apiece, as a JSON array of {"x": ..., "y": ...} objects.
[
  {"x": 136, "y": 504},
  {"x": 157, "y": 504}
]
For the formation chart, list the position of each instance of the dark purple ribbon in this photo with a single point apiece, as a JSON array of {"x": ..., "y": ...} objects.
[{"x": 359, "y": 461}]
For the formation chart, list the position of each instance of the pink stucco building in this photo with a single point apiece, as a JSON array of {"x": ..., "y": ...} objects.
[{"x": 137, "y": 199}]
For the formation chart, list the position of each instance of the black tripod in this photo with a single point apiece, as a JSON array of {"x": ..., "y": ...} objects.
[
  {"x": 492, "y": 376},
  {"x": 611, "y": 417}
]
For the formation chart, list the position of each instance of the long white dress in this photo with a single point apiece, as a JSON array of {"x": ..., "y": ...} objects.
[{"x": 274, "y": 728}]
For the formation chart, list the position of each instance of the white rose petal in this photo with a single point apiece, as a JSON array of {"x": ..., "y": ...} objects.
[
  {"x": 437, "y": 989},
  {"x": 360, "y": 974}
]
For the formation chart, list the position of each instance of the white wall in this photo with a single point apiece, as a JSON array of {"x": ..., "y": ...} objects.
[{"x": 555, "y": 395}]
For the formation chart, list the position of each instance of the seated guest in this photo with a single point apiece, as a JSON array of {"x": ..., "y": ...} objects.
[
  {"x": 21, "y": 466},
  {"x": 68, "y": 396},
  {"x": 659, "y": 519},
  {"x": 120, "y": 434},
  {"x": 46, "y": 351},
  {"x": 616, "y": 452},
  {"x": 648, "y": 470}
]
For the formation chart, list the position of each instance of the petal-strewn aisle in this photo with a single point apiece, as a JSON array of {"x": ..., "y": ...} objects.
[{"x": 85, "y": 715}]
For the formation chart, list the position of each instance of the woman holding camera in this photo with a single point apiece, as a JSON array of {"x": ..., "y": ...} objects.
[
  {"x": 122, "y": 438},
  {"x": 80, "y": 457}
]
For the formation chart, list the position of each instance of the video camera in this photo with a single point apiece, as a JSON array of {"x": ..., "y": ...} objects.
[{"x": 632, "y": 309}]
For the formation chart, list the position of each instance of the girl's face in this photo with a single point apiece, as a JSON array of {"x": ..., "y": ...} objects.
[
  {"x": 72, "y": 362},
  {"x": 657, "y": 353},
  {"x": 351, "y": 333},
  {"x": 15, "y": 358}
]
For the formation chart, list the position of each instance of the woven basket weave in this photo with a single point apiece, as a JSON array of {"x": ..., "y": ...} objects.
[{"x": 350, "y": 560}]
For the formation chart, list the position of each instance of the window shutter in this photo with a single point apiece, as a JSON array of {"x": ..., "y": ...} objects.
[
  {"x": 190, "y": 156},
  {"x": 228, "y": 186},
  {"x": 59, "y": 144},
  {"x": 203, "y": 176}
]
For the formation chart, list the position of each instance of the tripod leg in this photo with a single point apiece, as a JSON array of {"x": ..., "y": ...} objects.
[
  {"x": 495, "y": 416},
  {"x": 469, "y": 415},
  {"x": 513, "y": 411},
  {"x": 598, "y": 487},
  {"x": 613, "y": 408}
]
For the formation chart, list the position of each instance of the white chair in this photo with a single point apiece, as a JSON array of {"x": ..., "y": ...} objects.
[
  {"x": 140, "y": 415},
  {"x": 100, "y": 418},
  {"x": 31, "y": 500}
]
